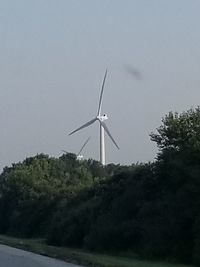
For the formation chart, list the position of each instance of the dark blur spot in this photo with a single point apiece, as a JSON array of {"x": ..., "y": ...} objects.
[{"x": 133, "y": 72}]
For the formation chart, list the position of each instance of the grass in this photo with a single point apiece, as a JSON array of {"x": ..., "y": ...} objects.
[{"x": 79, "y": 256}]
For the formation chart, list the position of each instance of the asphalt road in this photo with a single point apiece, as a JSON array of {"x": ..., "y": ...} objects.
[{"x": 12, "y": 257}]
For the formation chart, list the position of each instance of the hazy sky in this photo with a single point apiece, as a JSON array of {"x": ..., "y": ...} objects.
[{"x": 53, "y": 55}]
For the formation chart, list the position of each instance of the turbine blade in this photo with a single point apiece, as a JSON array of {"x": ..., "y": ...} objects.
[
  {"x": 109, "y": 134},
  {"x": 101, "y": 95},
  {"x": 65, "y": 151},
  {"x": 84, "y": 125},
  {"x": 83, "y": 146}
]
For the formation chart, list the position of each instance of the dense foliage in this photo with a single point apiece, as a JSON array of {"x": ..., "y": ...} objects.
[{"x": 151, "y": 209}]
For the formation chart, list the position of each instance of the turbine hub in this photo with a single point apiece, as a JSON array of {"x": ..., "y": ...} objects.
[
  {"x": 102, "y": 117},
  {"x": 79, "y": 157}
]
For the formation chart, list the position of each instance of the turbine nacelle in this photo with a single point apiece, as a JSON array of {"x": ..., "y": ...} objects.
[
  {"x": 102, "y": 117},
  {"x": 79, "y": 157}
]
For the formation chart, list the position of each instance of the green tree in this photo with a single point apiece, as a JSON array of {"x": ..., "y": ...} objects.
[
  {"x": 178, "y": 169},
  {"x": 179, "y": 132}
]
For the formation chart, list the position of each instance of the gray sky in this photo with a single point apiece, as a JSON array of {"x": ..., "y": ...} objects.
[{"x": 53, "y": 55}]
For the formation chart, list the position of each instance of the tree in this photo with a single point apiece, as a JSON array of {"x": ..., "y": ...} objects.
[
  {"x": 178, "y": 169},
  {"x": 179, "y": 132}
]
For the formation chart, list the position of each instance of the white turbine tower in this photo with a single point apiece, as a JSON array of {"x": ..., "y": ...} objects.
[
  {"x": 79, "y": 156},
  {"x": 103, "y": 127}
]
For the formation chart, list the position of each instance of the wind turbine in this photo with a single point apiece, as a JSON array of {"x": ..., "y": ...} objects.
[
  {"x": 103, "y": 128},
  {"x": 79, "y": 156}
]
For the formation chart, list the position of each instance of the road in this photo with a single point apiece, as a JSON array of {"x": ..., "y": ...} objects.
[{"x": 12, "y": 257}]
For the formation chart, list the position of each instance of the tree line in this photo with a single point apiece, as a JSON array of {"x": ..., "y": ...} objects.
[{"x": 151, "y": 209}]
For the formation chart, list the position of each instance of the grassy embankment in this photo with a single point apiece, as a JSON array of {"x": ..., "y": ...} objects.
[{"x": 79, "y": 256}]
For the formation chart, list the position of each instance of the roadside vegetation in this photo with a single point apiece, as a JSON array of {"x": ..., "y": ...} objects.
[
  {"x": 81, "y": 257},
  {"x": 150, "y": 209}
]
